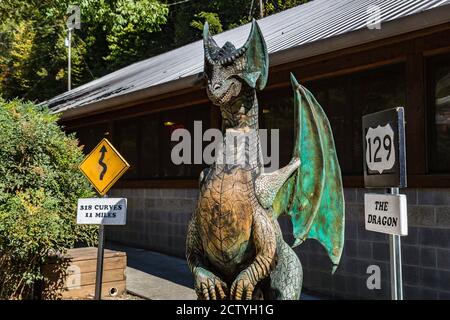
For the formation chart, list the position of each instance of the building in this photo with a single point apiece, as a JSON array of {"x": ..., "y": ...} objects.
[{"x": 354, "y": 67}]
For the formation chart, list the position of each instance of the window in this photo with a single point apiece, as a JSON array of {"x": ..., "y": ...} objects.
[
  {"x": 439, "y": 100},
  {"x": 373, "y": 91},
  {"x": 126, "y": 141},
  {"x": 145, "y": 142},
  {"x": 335, "y": 95},
  {"x": 277, "y": 112},
  {"x": 149, "y": 146},
  {"x": 90, "y": 136},
  {"x": 345, "y": 100},
  {"x": 181, "y": 119}
]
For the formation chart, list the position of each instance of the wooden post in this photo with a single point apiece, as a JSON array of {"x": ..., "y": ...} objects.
[{"x": 416, "y": 115}]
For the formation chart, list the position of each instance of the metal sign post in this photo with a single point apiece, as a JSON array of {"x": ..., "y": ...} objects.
[
  {"x": 69, "y": 60},
  {"x": 99, "y": 272},
  {"x": 73, "y": 22},
  {"x": 102, "y": 212},
  {"x": 385, "y": 167},
  {"x": 396, "y": 261},
  {"x": 103, "y": 167}
]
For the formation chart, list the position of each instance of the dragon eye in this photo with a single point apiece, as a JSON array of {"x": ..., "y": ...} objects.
[{"x": 217, "y": 86}]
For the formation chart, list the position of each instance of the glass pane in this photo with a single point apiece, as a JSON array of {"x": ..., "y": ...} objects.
[
  {"x": 150, "y": 147},
  {"x": 125, "y": 140},
  {"x": 199, "y": 114},
  {"x": 345, "y": 100},
  {"x": 279, "y": 114},
  {"x": 441, "y": 150},
  {"x": 374, "y": 91},
  {"x": 182, "y": 119},
  {"x": 332, "y": 96},
  {"x": 171, "y": 121},
  {"x": 90, "y": 136}
]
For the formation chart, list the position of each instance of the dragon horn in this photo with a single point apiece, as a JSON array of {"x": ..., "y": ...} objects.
[
  {"x": 250, "y": 38},
  {"x": 257, "y": 58},
  {"x": 209, "y": 44}
]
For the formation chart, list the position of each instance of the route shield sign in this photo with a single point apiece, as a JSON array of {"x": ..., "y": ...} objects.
[
  {"x": 104, "y": 166},
  {"x": 384, "y": 149}
]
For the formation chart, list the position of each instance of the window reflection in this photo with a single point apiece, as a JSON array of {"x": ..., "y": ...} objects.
[
  {"x": 90, "y": 136},
  {"x": 150, "y": 145},
  {"x": 279, "y": 114},
  {"x": 345, "y": 100},
  {"x": 440, "y": 78},
  {"x": 145, "y": 142},
  {"x": 126, "y": 142}
]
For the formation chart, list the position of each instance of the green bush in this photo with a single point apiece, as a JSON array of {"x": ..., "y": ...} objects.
[{"x": 39, "y": 187}]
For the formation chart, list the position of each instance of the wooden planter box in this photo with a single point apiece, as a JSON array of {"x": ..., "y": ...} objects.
[{"x": 80, "y": 271}]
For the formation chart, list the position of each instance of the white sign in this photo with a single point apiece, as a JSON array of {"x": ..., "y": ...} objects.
[
  {"x": 106, "y": 211},
  {"x": 386, "y": 213},
  {"x": 380, "y": 150}
]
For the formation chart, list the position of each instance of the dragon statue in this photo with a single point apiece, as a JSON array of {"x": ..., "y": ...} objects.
[{"x": 234, "y": 245}]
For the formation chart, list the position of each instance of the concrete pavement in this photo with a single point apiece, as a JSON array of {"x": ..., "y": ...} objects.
[{"x": 156, "y": 276}]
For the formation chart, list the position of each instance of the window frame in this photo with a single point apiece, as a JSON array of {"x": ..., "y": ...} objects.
[{"x": 432, "y": 63}]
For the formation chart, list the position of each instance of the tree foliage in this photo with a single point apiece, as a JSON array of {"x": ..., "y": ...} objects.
[
  {"x": 114, "y": 34},
  {"x": 215, "y": 26},
  {"x": 274, "y": 6},
  {"x": 33, "y": 58},
  {"x": 39, "y": 187}
]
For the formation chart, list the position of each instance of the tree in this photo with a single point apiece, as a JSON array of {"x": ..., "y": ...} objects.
[
  {"x": 39, "y": 187},
  {"x": 215, "y": 26},
  {"x": 274, "y": 6},
  {"x": 220, "y": 14},
  {"x": 33, "y": 58},
  {"x": 125, "y": 25},
  {"x": 114, "y": 34}
]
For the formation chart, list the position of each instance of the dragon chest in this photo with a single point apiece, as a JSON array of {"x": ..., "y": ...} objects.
[{"x": 225, "y": 212}]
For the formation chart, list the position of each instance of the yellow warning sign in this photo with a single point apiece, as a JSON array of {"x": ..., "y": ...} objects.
[{"x": 104, "y": 166}]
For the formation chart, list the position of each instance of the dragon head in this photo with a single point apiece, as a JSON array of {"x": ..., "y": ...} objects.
[{"x": 228, "y": 70}]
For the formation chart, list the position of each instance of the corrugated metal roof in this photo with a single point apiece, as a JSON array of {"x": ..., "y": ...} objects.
[{"x": 299, "y": 26}]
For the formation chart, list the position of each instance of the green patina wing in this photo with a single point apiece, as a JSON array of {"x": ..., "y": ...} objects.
[{"x": 313, "y": 195}]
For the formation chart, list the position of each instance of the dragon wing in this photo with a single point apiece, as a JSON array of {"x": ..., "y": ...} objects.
[{"x": 312, "y": 195}]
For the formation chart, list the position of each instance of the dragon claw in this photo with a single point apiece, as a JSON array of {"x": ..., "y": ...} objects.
[
  {"x": 242, "y": 288},
  {"x": 208, "y": 286}
]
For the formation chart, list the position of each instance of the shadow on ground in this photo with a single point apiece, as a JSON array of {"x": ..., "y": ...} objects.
[
  {"x": 156, "y": 276},
  {"x": 159, "y": 265}
]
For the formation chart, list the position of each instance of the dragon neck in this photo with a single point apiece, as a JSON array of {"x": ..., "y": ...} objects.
[
  {"x": 241, "y": 133},
  {"x": 242, "y": 113}
]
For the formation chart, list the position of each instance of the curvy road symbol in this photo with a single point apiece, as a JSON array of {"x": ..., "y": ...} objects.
[{"x": 103, "y": 150}]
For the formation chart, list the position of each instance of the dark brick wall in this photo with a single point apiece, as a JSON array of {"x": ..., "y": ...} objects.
[
  {"x": 157, "y": 220},
  {"x": 425, "y": 251}
]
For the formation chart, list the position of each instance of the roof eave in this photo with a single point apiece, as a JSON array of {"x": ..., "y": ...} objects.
[{"x": 129, "y": 98}]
